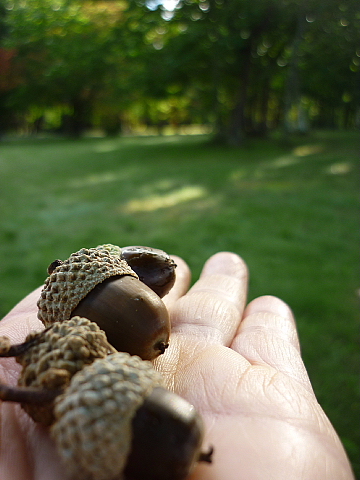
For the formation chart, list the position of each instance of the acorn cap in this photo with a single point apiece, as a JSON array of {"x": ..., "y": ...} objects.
[
  {"x": 93, "y": 427},
  {"x": 112, "y": 249},
  {"x": 55, "y": 355},
  {"x": 74, "y": 278}
]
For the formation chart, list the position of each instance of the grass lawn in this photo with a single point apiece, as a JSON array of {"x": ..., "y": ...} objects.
[{"x": 290, "y": 210}]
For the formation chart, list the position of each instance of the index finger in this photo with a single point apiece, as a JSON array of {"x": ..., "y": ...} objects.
[
  {"x": 213, "y": 307},
  {"x": 182, "y": 282}
]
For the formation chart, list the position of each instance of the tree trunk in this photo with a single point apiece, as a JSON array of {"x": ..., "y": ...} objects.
[
  {"x": 236, "y": 130},
  {"x": 292, "y": 95},
  {"x": 76, "y": 124}
]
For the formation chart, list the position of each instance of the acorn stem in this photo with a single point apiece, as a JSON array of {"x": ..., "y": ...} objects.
[
  {"x": 20, "y": 348},
  {"x": 27, "y": 394},
  {"x": 161, "y": 346},
  {"x": 206, "y": 456}
]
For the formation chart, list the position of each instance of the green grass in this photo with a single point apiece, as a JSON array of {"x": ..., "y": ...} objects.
[{"x": 290, "y": 210}]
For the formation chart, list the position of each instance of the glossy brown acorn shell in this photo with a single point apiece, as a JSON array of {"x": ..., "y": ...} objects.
[
  {"x": 167, "y": 437},
  {"x": 154, "y": 267},
  {"x": 134, "y": 318}
]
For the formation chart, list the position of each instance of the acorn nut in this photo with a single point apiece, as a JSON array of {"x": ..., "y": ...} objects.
[
  {"x": 167, "y": 440},
  {"x": 99, "y": 285},
  {"x": 154, "y": 267},
  {"x": 116, "y": 418}
]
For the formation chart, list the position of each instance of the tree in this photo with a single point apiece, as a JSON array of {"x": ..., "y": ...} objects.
[
  {"x": 228, "y": 51},
  {"x": 330, "y": 61},
  {"x": 242, "y": 66},
  {"x": 66, "y": 52},
  {"x": 249, "y": 63},
  {"x": 5, "y": 60}
]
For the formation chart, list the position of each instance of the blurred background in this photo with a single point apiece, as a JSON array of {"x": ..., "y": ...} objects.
[{"x": 192, "y": 126}]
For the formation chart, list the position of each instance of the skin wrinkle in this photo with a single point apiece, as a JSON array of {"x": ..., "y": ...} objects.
[
  {"x": 12, "y": 430},
  {"x": 302, "y": 413},
  {"x": 292, "y": 421},
  {"x": 204, "y": 332},
  {"x": 297, "y": 421},
  {"x": 213, "y": 357},
  {"x": 259, "y": 349},
  {"x": 223, "y": 286},
  {"x": 195, "y": 354},
  {"x": 226, "y": 263},
  {"x": 189, "y": 351},
  {"x": 9, "y": 371},
  {"x": 207, "y": 308},
  {"x": 170, "y": 364},
  {"x": 270, "y": 304},
  {"x": 282, "y": 448},
  {"x": 267, "y": 322},
  {"x": 259, "y": 330}
]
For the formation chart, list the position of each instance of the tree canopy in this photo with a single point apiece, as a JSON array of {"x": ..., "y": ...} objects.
[{"x": 242, "y": 67}]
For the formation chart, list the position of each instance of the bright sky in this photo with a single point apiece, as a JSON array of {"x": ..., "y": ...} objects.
[
  {"x": 170, "y": 4},
  {"x": 167, "y": 4}
]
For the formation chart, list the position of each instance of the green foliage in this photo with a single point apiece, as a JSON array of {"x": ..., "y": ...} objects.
[
  {"x": 69, "y": 52},
  {"x": 331, "y": 58},
  {"x": 291, "y": 211},
  {"x": 2, "y": 20},
  {"x": 60, "y": 49},
  {"x": 240, "y": 59},
  {"x": 238, "y": 65}
]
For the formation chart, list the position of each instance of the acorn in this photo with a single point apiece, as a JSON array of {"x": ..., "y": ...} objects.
[
  {"x": 99, "y": 285},
  {"x": 115, "y": 420},
  {"x": 154, "y": 267},
  {"x": 155, "y": 454},
  {"x": 50, "y": 358}
]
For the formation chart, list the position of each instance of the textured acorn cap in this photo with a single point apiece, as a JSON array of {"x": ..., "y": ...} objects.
[
  {"x": 55, "y": 355},
  {"x": 109, "y": 247},
  {"x": 93, "y": 427},
  {"x": 74, "y": 278}
]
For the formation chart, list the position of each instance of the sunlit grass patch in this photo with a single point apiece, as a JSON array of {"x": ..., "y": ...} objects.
[{"x": 166, "y": 200}]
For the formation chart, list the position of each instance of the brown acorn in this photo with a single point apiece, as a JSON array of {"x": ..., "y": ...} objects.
[
  {"x": 153, "y": 266},
  {"x": 98, "y": 285},
  {"x": 116, "y": 418}
]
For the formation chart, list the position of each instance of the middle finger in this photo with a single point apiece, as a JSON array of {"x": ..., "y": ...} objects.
[{"x": 213, "y": 307}]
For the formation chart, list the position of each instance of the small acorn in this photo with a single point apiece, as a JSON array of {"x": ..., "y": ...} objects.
[
  {"x": 155, "y": 454},
  {"x": 115, "y": 420},
  {"x": 97, "y": 284},
  {"x": 154, "y": 267},
  {"x": 50, "y": 359}
]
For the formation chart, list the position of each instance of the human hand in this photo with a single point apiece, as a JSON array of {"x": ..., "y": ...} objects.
[{"x": 240, "y": 367}]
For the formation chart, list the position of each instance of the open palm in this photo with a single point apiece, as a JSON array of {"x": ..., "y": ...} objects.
[{"x": 240, "y": 366}]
